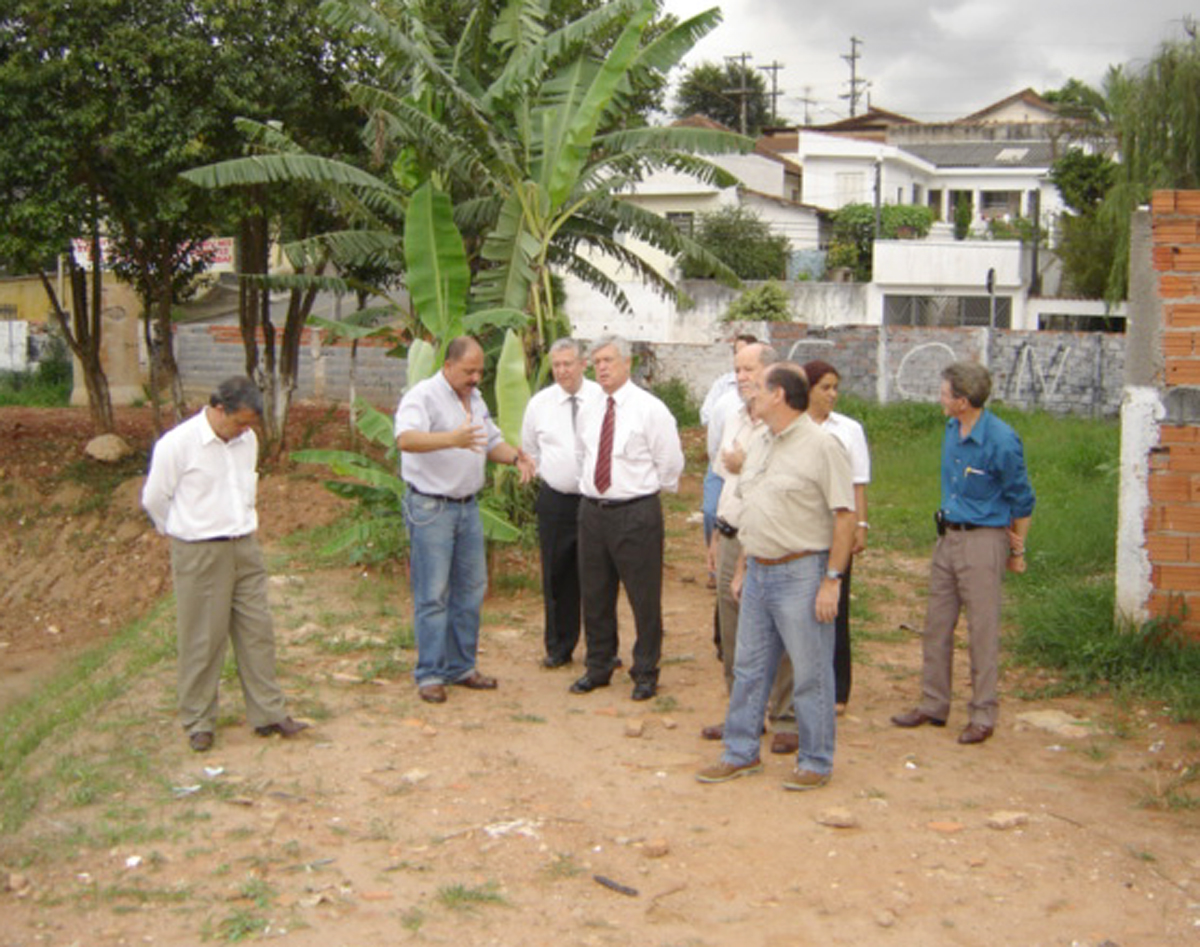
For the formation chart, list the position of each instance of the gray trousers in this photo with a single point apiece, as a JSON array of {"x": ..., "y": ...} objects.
[
  {"x": 779, "y": 703},
  {"x": 966, "y": 575},
  {"x": 221, "y": 596}
]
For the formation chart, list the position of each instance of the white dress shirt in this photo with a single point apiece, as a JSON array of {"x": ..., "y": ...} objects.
[
  {"x": 430, "y": 406},
  {"x": 201, "y": 487},
  {"x": 739, "y": 430},
  {"x": 716, "y": 391},
  {"x": 725, "y": 409},
  {"x": 850, "y": 433},
  {"x": 548, "y": 433},
  {"x": 646, "y": 454}
]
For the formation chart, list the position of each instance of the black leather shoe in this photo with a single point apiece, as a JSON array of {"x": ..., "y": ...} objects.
[
  {"x": 201, "y": 741},
  {"x": 585, "y": 685},
  {"x": 644, "y": 690},
  {"x": 916, "y": 718},
  {"x": 552, "y": 662}
]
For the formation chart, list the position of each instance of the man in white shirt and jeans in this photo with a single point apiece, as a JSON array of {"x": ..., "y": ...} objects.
[
  {"x": 631, "y": 453},
  {"x": 200, "y": 492},
  {"x": 445, "y": 434},
  {"x": 548, "y": 437}
]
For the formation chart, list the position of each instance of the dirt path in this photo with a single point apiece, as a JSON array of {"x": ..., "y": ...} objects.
[{"x": 488, "y": 819}]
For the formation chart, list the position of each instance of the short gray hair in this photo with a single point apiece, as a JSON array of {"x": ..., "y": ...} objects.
[
  {"x": 619, "y": 343},
  {"x": 236, "y": 393},
  {"x": 561, "y": 345},
  {"x": 969, "y": 380}
]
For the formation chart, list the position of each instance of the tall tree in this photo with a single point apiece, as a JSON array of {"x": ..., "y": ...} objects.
[
  {"x": 734, "y": 95},
  {"x": 521, "y": 149},
  {"x": 50, "y": 169},
  {"x": 1156, "y": 121},
  {"x": 104, "y": 104}
]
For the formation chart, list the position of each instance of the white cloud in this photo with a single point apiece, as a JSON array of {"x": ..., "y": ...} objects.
[{"x": 934, "y": 60}]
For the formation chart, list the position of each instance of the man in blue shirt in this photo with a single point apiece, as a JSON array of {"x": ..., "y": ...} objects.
[{"x": 987, "y": 503}]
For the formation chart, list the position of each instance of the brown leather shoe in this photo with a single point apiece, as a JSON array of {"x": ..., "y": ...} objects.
[
  {"x": 286, "y": 728},
  {"x": 201, "y": 741},
  {"x": 714, "y": 732},
  {"x": 916, "y": 718},
  {"x": 432, "y": 693},
  {"x": 784, "y": 742},
  {"x": 975, "y": 733},
  {"x": 478, "y": 682}
]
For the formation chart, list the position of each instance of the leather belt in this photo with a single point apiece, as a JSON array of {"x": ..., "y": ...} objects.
[
  {"x": 963, "y": 526},
  {"x": 222, "y": 539},
  {"x": 790, "y": 557},
  {"x": 609, "y": 504},
  {"x": 438, "y": 496}
]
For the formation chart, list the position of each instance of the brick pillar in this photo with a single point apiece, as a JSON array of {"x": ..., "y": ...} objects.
[{"x": 1173, "y": 468}]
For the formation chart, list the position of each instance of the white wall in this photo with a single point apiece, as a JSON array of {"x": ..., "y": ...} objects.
[
  {"x": 14, "y": 345},
  {"x": 949, "y": 267}
]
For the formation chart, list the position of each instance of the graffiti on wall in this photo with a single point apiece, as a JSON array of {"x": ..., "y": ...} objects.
[
  {"x": 1028, "y": 366},
  {"x": 919, "y": 375}
]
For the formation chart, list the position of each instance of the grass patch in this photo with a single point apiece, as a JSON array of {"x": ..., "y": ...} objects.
[
  {"x": 460, "y": 897},
  {"x": 47, "y": 386},
  {"x": 67, "y": 701},
  {"x": 1063, "y": 607}
]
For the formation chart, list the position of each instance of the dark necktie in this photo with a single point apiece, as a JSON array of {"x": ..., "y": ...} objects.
[
  {"x": 603, "y": 476},
  {"x": 574, "y": 399}
]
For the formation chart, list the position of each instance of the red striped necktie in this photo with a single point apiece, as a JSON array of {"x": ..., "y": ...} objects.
[{"x": 603, "y": 476}]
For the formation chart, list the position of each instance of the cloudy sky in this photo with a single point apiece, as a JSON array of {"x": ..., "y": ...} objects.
[{"x": 933, "y": 60}]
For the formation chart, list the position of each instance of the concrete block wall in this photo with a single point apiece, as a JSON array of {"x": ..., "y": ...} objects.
[
  {"x": 1061, "y": 372},
  {"x": 208, "y": 353}
]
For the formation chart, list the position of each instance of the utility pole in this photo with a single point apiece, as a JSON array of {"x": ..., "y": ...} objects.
[
  {"x": 856, "y": 83},
  {"x": 773, "y": 69},
  {"x": 807, "y": 100},
  {"x": 742, "y": 91}
]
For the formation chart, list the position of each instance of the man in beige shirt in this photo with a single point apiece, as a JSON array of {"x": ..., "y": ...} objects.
[{"x": 797, "y": 527}]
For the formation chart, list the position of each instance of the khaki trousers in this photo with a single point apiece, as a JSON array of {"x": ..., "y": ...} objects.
[
  {"x": 779, "y": 703},
  {"x": 221, "y": 596},
  {"x": 966, "y": 575}
]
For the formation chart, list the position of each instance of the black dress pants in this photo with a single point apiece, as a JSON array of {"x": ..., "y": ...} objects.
[
  {"x": 558, "y": 534},
  {"x": 621, "y": 544}
]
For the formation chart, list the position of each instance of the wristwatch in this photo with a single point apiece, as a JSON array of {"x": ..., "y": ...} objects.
[{"x": 833, "y": 574}]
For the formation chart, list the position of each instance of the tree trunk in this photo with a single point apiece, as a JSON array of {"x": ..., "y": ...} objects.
[
  {"x": 165, "y": 337},
  {"x": 148, "y": 337},
  {"x": 82, "y": 332}
]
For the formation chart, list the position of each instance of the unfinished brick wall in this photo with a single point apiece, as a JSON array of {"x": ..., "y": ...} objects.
[{"x": 1173, "y": 515}]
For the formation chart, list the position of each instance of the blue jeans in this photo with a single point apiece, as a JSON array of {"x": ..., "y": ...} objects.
[
  {"x": 449, "y": 580},
  {"x": 708, "y": 506},
  {"x": 778, "y": 613}
]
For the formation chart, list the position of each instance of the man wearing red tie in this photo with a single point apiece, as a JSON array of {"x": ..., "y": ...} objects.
[{"x": 631, "y": 452}]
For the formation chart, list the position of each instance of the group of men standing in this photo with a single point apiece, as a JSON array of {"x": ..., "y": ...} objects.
[{"x": 604, "y": 451}]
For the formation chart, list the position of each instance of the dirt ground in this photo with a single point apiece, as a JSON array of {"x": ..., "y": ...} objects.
[{"x": 500, "y": 818}]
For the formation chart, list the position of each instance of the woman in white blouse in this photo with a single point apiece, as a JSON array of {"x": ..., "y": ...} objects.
[{"x": 823, "y": 381}]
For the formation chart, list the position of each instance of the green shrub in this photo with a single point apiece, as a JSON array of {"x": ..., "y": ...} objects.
[
  {"x": 766, "y": 303},
  {"x": 47, "y": 386},
  {"x": 675, "y": 395},
  {"x": 744, "y": 243}
]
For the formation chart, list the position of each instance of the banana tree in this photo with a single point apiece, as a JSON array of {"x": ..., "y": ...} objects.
[{"x": 535, "y": 154}]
